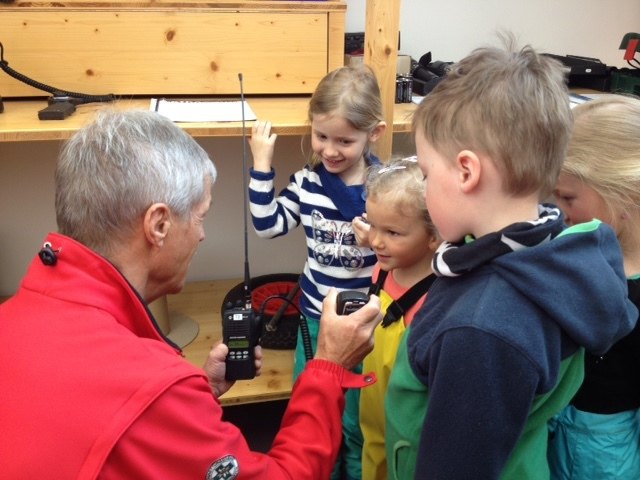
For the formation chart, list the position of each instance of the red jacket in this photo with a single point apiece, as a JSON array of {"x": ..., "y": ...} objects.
[{"x": 91, "y": 389}]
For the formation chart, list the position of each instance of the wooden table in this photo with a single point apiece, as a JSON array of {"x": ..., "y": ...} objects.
[{"x": 201, "y": 301}]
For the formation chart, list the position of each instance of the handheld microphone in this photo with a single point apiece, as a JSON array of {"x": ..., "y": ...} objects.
[{"x": 241, "y": 327}]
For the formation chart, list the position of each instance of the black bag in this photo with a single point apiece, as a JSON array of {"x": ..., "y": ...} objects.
[
  {"x": 427, "y": 74},
  {"x": 280, "y": 319}
]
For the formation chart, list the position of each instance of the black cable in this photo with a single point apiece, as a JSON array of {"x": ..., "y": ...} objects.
[
  {"x": 273, "y": 323},
  {"x": 73, "y": 97},
  {"x": 631, "y": 64},
  {"x": 304, "y": 326},
  {"x": 306, "y": 338},
  {"x": 281, "y": 297}
]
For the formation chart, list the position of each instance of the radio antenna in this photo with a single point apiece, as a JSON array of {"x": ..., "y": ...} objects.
[
  {"x": 247, "y": 276},
  {"x": 241, "y": 328}
]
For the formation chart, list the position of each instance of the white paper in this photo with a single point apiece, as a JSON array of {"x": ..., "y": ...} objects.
[
  {"x": 577, "y": 99},
  {"x": 202, "y": 111}
]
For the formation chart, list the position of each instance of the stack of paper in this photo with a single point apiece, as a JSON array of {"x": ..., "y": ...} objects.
[{"x": 202, "y": 111}]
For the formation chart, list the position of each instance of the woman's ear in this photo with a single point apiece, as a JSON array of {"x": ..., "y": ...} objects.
[
  {"x": 469, "y": 169},
  {"x": 157, "y": 222},
  {"x": 377, "y": 131}
]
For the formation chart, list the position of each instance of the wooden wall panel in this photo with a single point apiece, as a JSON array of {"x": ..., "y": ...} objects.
[{"x": 170, "y": 51}]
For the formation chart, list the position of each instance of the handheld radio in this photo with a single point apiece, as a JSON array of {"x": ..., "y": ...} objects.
[
  {"x": 241, "y": 327},
  {"x": 240, "y": 332},
  {"x": 349, "y": 301}
]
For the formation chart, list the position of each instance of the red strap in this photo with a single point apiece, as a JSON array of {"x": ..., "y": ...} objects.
[{"x": 632, "y": 47}]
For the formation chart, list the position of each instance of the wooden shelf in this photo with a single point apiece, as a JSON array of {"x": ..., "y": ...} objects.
[
  {"x": 232, "y": 5},
  {"x": 20, "y": 123}
]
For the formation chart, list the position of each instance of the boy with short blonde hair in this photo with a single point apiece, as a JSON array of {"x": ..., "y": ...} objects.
[{"x": 497, "y": 349}]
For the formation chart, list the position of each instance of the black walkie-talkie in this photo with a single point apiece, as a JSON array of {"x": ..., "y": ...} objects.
[
  {"x": 241, "y": 333},
  {"x": 241, "y": 327}
]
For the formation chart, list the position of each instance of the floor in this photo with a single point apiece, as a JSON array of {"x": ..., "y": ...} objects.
[{"x": 259, "y": 422}]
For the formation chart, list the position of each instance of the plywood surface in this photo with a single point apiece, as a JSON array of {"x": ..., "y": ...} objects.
[{"x": 163, "y": 48}]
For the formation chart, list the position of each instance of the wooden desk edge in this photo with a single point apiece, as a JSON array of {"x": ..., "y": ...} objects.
[{"x": 20, "y": 123}]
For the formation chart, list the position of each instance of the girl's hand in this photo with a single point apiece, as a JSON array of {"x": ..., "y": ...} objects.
[
  {"x": 262, "y": 143},
  {"x": 361, "y": 230}
]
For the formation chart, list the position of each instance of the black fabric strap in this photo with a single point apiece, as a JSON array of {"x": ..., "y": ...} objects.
[
  {"x": 398, "y": 307},
  {"x": 375, "y": 288}
]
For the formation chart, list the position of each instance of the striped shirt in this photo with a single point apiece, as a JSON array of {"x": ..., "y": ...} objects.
[{"x": 325, "y": 207}]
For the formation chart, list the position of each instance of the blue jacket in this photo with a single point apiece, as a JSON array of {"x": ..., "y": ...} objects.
[{"x": 497, "y": 351}]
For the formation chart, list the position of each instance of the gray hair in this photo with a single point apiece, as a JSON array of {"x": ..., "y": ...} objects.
[{"x": 111, "y": 171}]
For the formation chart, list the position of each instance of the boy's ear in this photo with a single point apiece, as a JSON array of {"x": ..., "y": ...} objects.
[
  {"x": 469, "y": 169},
  {"x": 157, "y": 222},
  {"x": 434, "y": 242},
  {"x": 378, "y": 131}
]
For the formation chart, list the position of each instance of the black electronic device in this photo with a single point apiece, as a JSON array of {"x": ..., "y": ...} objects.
[
  {"x": 62, "y": 103},
  {"x": 241, "y": 327},
  {"x": 354, "y": 42},
  {"x": 241, "y": 333},
  {"x": 349, "y": 301},
  {"x": 581, "y": 65},
  {"x": 56, "y": 111},
  {"x": 585, "y": 72},
  {"x": 427, "y": 74}
]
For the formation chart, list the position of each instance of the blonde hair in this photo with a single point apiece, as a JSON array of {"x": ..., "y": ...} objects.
[
  {"x": 604, "y": 151},
  {"x": 351, "y": 92},
  {"x": 510, "y": 105},
  {"x": 400, "y": 183}
]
